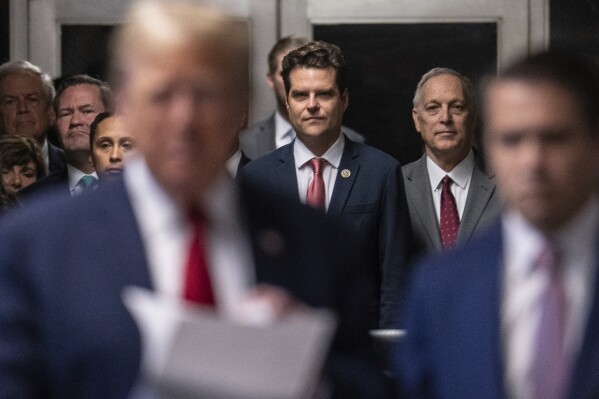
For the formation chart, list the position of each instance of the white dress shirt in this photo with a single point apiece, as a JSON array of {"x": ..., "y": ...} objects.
[
  {"x": 523, "y": 284},
  {"x": 167, "y": 235},
  {"x": 75, "y": 175},
  {"x": 461, "y": 176},
  {"x": 46, "y": 155},
  {"x": 305, "y": 173},
  {"x": 233, "y": 164},
  {"x": 284, "y": 132}
]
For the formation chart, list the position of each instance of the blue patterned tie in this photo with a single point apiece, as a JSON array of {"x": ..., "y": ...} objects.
[{"x": 86, "y": 183}]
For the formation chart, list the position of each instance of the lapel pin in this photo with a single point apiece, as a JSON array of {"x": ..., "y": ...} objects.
[
  {"x": 271, "y": 242},
  {"x": 345, "y": 173}
]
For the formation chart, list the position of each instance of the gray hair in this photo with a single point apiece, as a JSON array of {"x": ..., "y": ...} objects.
[
  {"x": 466, "y": 84},
  {"x": 12, "y": 67}
]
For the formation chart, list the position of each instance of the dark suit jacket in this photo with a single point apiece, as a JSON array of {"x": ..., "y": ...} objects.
[
  {"x": 452, "y": 348},
  {"x": 259, "y": 139},
  {"x": 481, "y": 209},
  {"x": 56, "y": 159},
  {"x": 371, "y": 202},
  {"x": 55, "y": 183},
  {"x": 64, "y": 332}
]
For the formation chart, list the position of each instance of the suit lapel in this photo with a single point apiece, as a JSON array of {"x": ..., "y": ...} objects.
[
  {"x": 343, "y": 183},
  {"x": 423, "y": 202},
  {"x": 584, "y": 382},
  {"x": 286, "y": 175},
  {"x": 479, "y": 194}
]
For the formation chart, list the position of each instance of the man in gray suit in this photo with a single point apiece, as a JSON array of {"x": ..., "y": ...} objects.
[
  {"x": 276, "y": 131},
  {"x": 450, "y": 177}
]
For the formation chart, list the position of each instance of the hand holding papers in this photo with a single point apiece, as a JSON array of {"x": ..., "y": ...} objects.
[{"x": 192, "y": 352}]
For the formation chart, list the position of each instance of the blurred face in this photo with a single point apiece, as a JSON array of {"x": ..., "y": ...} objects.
[
  {"x": 541, "y": 150},
  {"x": 275, "y": 81},
  {"x": 78, "y": 106},
  {"x": 444, "y": 119},
  {"x": 184, "y": 111},
  {"x": 18, "y": 176},
  {"x": 24, "y": 109},
  {"x": 111, "y": 146},
  {"x": 316, "y": 106}
]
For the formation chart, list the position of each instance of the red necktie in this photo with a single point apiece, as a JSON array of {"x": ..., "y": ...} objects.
[
  {"x": 450, "y": 219},
  {"x": 197, "y": 279},
  {"x": 315, "y": 195},
  {"x": 550, "y": 364}
]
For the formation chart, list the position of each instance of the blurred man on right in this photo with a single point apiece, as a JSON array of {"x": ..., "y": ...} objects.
[{"x": 515, "y": 313}]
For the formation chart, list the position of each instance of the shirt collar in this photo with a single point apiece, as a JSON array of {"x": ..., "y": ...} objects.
[
  {"x": 157, "y": 211},
  {"x": 46, "y": 154},
  {"x": 460, "y": 174},
  {"x": 233, "y": 163},
  {"x": 283, "y": 128},
  {"x": 75, "y": 175},
  {"x": 523, "y": 241},
  {"x": 333, "y": 155}
]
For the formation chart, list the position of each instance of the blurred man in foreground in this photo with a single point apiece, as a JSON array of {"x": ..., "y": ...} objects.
[
  {"x": 515, "y": 313},
  {"x": 175, "y": 223}
]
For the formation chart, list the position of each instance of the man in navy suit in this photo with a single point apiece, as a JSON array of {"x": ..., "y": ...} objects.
[
  {"x": 363, "y": 187},
  {"x": 78, "y": 100},
  {"x": 26, "y": 96},
  {"x": 444, "y": 114},
  {"x": 182, "y": 79},
  {"x": 276, "y": 131},
  {"x": 515, "y": 312}
]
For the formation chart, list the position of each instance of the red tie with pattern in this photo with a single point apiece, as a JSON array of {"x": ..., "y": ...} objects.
[
  {"x": 450, "y": 219},
  {"x": 315, "y": 195},
  {"x": 197, "y": 279},
  {"x": 550, "y": 368}
]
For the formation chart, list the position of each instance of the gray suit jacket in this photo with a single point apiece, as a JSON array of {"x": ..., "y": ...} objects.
[
  {"x": 482, "y": 205},
  {"x": 259, "y": 139}
]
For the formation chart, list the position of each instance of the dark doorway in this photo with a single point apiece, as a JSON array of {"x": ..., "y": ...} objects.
[{"x": 386, "y": 62}]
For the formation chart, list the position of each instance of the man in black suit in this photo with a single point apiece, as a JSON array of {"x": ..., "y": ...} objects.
[
  {"x": 26, "y": 96},
  {"x": 444, "y": 114},
  {"x": 362, "y": 186},
  {"x": 182, "y": 80},
  {"x": 78, "y": 100},
  {"x": 275, "y": 131}
]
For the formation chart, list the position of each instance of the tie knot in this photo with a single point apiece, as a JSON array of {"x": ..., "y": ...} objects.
[
  {"x": 316, "y": 164},
  {"x": 86, "y": 183},
  {"x": 548, "y": 258},
  {"x": 446, "y": 181}
]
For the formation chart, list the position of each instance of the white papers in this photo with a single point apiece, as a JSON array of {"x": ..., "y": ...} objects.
[{"x": 192, "y": 352}]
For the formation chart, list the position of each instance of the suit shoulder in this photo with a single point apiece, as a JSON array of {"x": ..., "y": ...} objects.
[
  {"x": 256, "y": 128},
  {"x": 376, "y": 156}
]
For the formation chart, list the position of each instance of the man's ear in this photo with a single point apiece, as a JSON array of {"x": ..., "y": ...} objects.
[
  {"x": 270, "y": 80},
  {"x": 415, "y": 118},
  {"x": 91, "y": 161}
]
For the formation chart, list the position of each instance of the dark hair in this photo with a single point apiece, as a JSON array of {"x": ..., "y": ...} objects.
[
  {"x": 316, "y": 55},
  {"x": 106, "y": 96},
  {"x": 285, "y": 44},
  {"x": 19, "y": 150},
  {"x": 94, "y": 126},
  {"x": 574, "y": 72}
]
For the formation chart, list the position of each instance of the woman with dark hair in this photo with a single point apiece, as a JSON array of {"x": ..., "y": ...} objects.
[{"x": 21, "y": 164}]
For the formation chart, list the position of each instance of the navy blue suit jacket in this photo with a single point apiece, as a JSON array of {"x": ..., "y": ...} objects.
[
  {"x": 370, "y": 202},
  {"x": 452, "y": 349},
  {"x": 64, "y": 332}
]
